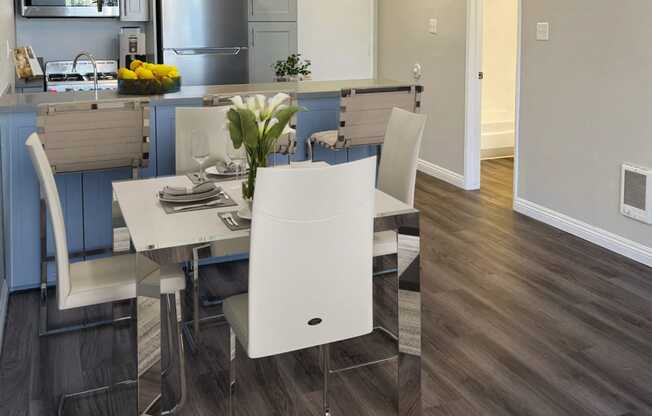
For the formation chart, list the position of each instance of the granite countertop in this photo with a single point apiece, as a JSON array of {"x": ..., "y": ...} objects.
[{"x": 29, "y": 102}]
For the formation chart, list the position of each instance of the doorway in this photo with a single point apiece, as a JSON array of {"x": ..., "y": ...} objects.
[{"x": 492, "y": 86}]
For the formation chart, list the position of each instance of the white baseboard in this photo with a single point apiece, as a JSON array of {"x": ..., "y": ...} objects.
[
  {"x": 441, "y": 173},
  {"x": 595, "y": 235},
  {"x": 4, "y": 303},
  {"x": 497, "y": 153}
]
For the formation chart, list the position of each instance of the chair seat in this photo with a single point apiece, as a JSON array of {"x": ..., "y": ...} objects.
[
  {"x": 326, "y": 138},
  {"x": 385, "y": 243},
  {"x": 236, "y": 312},
  {"x": 106, "y": 280},
  {"x": 168, "y": 281}
]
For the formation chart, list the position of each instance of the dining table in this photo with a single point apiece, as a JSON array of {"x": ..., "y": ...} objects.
[{"x": 174, "y": 238}]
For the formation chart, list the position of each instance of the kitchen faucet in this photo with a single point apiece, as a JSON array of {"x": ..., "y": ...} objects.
[{"x": 92, "y": 59}]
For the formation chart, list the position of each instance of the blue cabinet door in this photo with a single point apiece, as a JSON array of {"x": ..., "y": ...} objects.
[
  {"x": 69, "y": 186},
  {"x": 21, "y": 202},
  {"x": 98, "y": 200}
]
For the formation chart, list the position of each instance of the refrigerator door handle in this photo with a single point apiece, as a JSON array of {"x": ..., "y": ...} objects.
[{"x": 209, "y": 51}]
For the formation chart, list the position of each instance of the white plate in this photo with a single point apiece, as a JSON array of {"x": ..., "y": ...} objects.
[{"x": 215, "y": 172}]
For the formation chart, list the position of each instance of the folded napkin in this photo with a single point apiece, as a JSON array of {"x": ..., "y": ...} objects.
[{"x": 195, "y": 190}]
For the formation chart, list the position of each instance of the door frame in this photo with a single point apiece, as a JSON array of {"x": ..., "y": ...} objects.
[{"x": 473, "y": 115}]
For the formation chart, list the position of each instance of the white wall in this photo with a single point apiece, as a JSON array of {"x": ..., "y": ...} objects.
[
  {"x": 585, "y": 108},
  {"x": 499, "y": 54},
  {"x": 7, "y": 32},
  {"x": 500, "y": 30},
  {"x": 338, "y": 36},
  {"x": 403, "y": 39}
]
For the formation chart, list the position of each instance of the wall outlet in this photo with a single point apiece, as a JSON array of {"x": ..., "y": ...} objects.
[
  {"x": 543, "y": 31},
  {"x": 433, "y": 26}
]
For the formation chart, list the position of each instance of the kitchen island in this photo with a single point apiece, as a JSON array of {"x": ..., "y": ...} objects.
[{"x": 86, "y": 195}]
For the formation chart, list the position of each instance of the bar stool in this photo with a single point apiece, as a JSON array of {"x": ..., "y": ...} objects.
[
  {"x": 330, "y": 212},
  {"x": 364, "y": 114}
]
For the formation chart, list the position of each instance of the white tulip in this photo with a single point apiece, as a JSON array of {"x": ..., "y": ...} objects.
[
  {"x": 276, "y": 101},
  {"x": 238, "y": 103},
  {"x": 260, "y": 101},
  {"x": 251, "y": 103}
]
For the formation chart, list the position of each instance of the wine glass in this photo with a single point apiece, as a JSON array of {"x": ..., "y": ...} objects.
[
  {"x": 200, "y": 150},
  {"x": 236, "y": 156}
]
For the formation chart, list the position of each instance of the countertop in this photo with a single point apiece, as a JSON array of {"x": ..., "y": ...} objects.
[{"x": 30, "y": 102}]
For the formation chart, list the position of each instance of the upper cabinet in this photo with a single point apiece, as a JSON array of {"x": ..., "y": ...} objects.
[
  {"x": 269, "y": 42},
  {"x": 272, "y": 10},
  {"x": 134, "y": 10}
]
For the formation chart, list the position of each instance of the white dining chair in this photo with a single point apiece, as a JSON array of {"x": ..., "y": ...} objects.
[
  {"x": 90, "y": 282},
  {"x": 211, "y": 121},
  {"x": 397, "y": 173},
  {"x": 328, "y": 215}
]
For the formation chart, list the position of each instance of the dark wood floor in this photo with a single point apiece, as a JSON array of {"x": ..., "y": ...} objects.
[{"x": 518, "y": 319}]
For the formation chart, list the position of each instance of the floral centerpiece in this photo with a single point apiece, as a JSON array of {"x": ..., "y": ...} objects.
[{"x": 256, "y": 124}]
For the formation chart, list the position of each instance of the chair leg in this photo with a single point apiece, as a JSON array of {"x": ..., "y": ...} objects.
[
  {"x": 92, "y": 392},
  {"x": 233, "y": 347},
  {"x": 325, "y": 358},
  {"x": 174, "y": 324}
]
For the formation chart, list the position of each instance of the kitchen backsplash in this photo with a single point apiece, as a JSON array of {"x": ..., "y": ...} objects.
[{"x": 62, "y": 39}]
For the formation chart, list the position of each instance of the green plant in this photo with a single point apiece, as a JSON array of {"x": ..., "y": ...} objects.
[{"x": 293, "y": 66}]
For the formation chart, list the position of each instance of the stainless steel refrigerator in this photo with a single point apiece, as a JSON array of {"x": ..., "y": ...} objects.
[{"x": 206, "y": 39}]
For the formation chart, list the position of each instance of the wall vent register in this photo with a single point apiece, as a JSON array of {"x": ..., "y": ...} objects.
[{"x": 636, "y": 193}]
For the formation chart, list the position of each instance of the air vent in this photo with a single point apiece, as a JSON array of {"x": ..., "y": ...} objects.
[{"x": 636, "y": 193}]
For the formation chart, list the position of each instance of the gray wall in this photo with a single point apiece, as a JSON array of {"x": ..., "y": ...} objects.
[
  {"x": 586, "y": 107},
  {"x": 403, "y": 39},
  {"x": 62, "y": 39}
]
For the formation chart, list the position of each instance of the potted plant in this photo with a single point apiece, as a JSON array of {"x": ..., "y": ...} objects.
[
  {"x": 256, "y": 124},
  {"x": 292, "y": 69}
]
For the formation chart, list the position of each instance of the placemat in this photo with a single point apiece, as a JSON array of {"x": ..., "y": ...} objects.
[
  {"x": 242, "y": 223},
  {"x": 223, "y": 200}
]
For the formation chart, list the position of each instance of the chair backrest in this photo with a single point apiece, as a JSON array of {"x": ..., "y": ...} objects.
[
  {"x": 49, "y": 189},
  {"x": 398, "y": 162},
  {"x": 365, "y": 112},
  {"x": 310, "y": 270},
  {"x": 212, "y": 120}
]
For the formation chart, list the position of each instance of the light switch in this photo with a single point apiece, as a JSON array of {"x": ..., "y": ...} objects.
[
  {"x": 543, "y": 31},
  {"x": 432, "y": 26}
]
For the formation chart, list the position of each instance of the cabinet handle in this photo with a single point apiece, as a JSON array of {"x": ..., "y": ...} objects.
[{"x": 253, "y": 36}]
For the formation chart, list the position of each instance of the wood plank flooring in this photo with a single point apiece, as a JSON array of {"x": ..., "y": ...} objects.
[{"x": 518, "y": 319}]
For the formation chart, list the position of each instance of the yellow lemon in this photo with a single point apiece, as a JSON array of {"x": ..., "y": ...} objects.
[
  {"x": 144, "y": 73},
  {"x": 174, "y": 74},
  {"x": 124, "y": 73},
  {"x": 135, "y": 64}
]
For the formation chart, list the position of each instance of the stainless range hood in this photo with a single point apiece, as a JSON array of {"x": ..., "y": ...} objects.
[{"x": 70, "y": 8}]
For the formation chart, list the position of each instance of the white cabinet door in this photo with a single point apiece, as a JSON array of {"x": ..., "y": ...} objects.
[
  {"x": 134, "y": 10},
  {"x": 272, "y": 10},
  {"x": 269, "y": 42}
]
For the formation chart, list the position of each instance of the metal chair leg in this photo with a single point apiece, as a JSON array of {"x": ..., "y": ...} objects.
[
  {"x": 92, "y": 392},
  {"x": 233, "y": 347},
  {"x": 326, "y": 358},
  {"x": 173, "y": 323}
]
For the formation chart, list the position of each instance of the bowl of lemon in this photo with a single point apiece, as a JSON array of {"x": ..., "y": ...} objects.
[{"x": 143, "y": 78}]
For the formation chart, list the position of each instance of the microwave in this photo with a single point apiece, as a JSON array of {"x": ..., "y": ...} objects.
[{"x": 70, "y": 8}]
